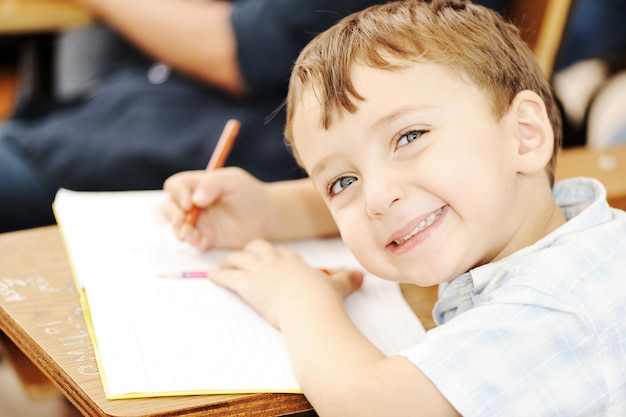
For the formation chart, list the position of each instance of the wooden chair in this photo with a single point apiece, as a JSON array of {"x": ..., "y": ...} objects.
[
  {"x": 542, "y": 24},
  {"x": 8, "y": 89}
]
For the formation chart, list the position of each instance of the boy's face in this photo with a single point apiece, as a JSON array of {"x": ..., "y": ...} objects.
[{"x": 421, "y": 179}]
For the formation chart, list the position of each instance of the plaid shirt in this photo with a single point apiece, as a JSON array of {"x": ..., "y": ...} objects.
[{"x": 543, "y": 331}]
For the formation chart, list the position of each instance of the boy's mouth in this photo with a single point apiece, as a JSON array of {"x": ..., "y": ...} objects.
[{"x": 421, "y": 226}]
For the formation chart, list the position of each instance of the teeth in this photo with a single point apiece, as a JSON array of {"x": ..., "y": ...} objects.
[{"x": 423, "y": 225}]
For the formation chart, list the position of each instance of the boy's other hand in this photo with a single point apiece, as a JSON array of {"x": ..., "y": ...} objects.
[{"x": 275, "y": 281}]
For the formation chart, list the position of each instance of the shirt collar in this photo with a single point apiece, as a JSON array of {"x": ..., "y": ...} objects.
[{"x": 583, "y": 202}]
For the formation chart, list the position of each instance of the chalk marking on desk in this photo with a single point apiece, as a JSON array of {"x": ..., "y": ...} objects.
[
  {"x": 10, "y": 295},
  {"x": 88, "y": 370},
  {"x": 12, "y": 289},
  {"x": 73, "y": 336},
  {"x": 8, "y": 291}
]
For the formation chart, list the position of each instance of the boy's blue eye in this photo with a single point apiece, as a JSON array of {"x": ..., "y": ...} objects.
[
  {"x": 339, "y": 184},
  {"x": 409, "y": 137}
]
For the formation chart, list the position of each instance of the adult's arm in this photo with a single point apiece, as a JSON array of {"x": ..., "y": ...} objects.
[
  {"x": 194, "y": 37},
  {"x": 239, "y": 46}
]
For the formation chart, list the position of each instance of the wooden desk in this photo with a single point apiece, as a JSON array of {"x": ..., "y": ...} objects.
[
  {"x": 608, "y": 166},
  {"x": 33, "y": 16},
  {"x": 40, "y": 313}
]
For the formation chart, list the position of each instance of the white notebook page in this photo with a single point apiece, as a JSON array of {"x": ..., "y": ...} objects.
[{"x": 158, "y": 336}]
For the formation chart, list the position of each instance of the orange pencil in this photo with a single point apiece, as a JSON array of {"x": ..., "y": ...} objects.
[{"x": 220, "y": 153}]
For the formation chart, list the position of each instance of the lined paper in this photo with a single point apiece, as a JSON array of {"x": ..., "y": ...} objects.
[{"x": 158, "y": 337}]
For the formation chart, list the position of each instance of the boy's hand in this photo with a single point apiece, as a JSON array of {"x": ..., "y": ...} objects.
[
  {"x": 235, "y": 206},
  {"x": 273, "y": 278}
]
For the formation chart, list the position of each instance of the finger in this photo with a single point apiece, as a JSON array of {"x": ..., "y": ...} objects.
[
  {"x": 172, "y": 212},
  {"x": 260, "y": 247},
  {"x": 204, "y": 243},
  {"x": 212, "y": 184},
  {"x": 210, "y": 188},
  {"x": 240, "y": 260},
  {"x": 180, "y": 187},
  {"x": 267, "y": 250},
  {"x": 197, "y": 239},
  {"x": 346, "y": 281},
  {"x": 228, "y": 278},
  {"x": 169, "y": 211}
]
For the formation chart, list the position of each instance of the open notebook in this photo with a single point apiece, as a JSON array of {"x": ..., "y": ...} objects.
[{"x": 157, "y": 337}]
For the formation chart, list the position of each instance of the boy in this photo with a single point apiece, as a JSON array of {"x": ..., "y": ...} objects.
[{"x": 431, "y": 134}]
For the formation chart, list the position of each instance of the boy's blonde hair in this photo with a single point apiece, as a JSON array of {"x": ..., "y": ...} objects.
[{"x": 467, "y": 38}]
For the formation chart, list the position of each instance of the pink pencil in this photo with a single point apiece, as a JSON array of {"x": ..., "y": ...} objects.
[
  {"x": 185, "y": 274},
  {"x": 203, "y": 274}
]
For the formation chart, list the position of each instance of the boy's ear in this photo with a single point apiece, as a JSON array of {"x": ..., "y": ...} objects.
[{"x": 534, "y": 138}]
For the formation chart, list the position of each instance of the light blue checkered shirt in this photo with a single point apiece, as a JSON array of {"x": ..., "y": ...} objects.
[{"x": 543, "y": 331}]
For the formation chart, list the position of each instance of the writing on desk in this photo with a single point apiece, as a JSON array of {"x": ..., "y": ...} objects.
[
  {"x": 73, "y": 336},
  {"x": 12, "y": 289}
]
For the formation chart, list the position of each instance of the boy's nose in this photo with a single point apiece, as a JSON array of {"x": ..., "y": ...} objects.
[{"x": 380, "y": 194}]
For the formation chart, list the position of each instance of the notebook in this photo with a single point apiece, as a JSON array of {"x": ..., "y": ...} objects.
[{"x": 161, "y": 337}]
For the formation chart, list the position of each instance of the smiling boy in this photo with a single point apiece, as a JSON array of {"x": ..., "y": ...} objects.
[{"x": 430, "y": 133}]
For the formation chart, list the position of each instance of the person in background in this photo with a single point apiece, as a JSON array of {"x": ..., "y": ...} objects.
[
  {"x": 590, "y": 70},
  {"x": 430, "y": 136},
  {"x": 181, "y": 70}
]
